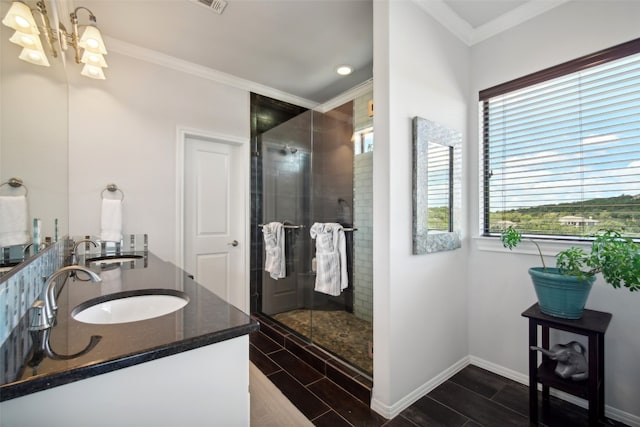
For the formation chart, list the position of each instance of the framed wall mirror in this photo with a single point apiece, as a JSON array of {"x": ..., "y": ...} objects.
[{"x": 437, "y": 193}]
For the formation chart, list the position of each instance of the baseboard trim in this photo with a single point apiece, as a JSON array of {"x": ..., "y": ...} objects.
[
  {"x": 610, "y": 412},
  {"x": 500, "y": 370},
  {"x": 395, "y": 409}
]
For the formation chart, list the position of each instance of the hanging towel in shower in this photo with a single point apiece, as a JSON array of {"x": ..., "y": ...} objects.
[
  {"x": 331, "y": 258},
  {"x": 274, "y": 260},
  {"x": 14, "y": 228},
  {"x": 111, "y": 220}
]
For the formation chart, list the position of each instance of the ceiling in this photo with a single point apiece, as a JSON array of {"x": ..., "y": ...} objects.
[
  {"x": 292, "y": 46},
  {"x": 478, "y": 13}
]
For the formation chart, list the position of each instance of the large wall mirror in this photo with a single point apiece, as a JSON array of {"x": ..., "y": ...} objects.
[
  {"x": 437, "y": 192},
  {"x": 34, "y": 133}
]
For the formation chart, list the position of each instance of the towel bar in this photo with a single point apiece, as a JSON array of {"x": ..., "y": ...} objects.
[
  {"x": 347, "y": 229},
  {"x": 16, "y": 183},
  {"x": 286, "y": 226},
  {"x": 112, "y": 188},
  {"x": 302, "y": 226}
]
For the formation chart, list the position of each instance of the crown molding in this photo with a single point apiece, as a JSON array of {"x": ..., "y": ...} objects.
[
  {"x": 349, "y": 95},
  {"x": 171, "y": 62},
  {"x": 442, "y": 13},
  {"x": 513, "y": 18},
  {"x": 167, "y": 61},
  {"x": 448, "y": 18}
]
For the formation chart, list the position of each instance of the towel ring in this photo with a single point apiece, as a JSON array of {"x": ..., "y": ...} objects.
[
  {"x": 112, "y": 188},
  {"x": 16, "y": 183}
]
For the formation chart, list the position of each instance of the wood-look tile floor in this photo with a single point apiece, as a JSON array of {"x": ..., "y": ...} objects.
[
  {"x": 269, "y": 407},
  {"x": 471, "y": 398},
  {"x": 476, "y": 397}
]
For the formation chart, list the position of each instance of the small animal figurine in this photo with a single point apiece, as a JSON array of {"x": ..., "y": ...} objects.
[{"x": 572, "y": 362}]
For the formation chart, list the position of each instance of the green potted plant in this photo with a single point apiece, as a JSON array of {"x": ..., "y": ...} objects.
[{"x": 563, "y": 291}]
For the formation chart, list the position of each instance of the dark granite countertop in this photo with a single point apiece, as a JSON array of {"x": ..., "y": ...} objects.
[{"x": 72, "y": 354}]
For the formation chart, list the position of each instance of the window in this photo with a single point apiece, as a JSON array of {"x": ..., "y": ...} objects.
[
  {"x": 363, "y": 141},
  {"x": 561, "y": 148}
]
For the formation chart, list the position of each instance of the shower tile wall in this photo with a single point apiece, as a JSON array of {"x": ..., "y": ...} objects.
[
  {"x": 363, "y": 214},
  {"x": 363, "y": 239},
  {"x": 256, "y": 258},
  {"x": 333, "y": 187},
  {"x": 333, "y": 165}
]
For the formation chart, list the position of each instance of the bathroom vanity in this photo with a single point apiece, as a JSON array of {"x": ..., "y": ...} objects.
[{"x": 187, "y": 367}]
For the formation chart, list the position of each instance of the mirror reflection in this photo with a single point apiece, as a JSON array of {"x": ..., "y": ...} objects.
[
  {"x": 33, "y": 141},
  {"x": 437, "y": 197},
  {"x": 439, "y": 187}
]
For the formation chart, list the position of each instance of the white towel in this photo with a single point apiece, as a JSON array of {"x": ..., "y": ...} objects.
[
  {"x": 111, "y": 220},
  {"x": 331, "y": 258},
  {"x": 274, "y": 261},
  {"x": 14, "y": 228}
]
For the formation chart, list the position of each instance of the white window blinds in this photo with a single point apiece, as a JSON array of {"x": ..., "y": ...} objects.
[{"x": 561, "y": 155}]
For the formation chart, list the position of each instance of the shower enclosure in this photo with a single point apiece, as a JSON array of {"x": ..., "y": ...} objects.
[{"x": 316, "y": 167}]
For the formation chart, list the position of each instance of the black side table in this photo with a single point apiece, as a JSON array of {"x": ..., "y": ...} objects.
[{"x": 593, "y": 325}]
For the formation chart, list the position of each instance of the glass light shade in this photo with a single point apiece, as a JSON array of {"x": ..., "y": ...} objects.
[
  {"x": 30, "y": 41},
  {"x": 20, "y": 18},
  {"x": 91, "y": 40},
  {"x": 91, "y": 58},
  {"x": 93, "y": 72},
  {"x": 34, "y": 56}
]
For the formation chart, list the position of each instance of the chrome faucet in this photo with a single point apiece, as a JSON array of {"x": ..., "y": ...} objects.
[
  {"x": 50, "y": 305},
  {"x": 74, "y": 260},
  {"x": 40, "y": 247}
]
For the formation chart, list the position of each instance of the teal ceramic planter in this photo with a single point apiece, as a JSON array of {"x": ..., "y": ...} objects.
[{"x": 560, "y": 295}]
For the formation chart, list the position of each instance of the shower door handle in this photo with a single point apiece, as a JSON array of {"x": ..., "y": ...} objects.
[{"x": 234, "y": 243}]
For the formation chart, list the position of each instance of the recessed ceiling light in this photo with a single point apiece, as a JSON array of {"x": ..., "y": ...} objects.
[{"x": 344, "y": 70}]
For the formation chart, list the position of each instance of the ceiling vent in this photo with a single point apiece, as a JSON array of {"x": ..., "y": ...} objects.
[{"x": 215, "y": 5}]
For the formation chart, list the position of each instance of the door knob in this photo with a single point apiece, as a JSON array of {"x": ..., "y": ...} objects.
[{"x": 234, "y": 243}]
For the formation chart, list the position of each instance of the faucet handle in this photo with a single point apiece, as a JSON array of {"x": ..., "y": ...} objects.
[{"x": 39, "y": 319}]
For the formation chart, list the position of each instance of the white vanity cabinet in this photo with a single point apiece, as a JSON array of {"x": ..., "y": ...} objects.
[{"x": 206, "y": 386}]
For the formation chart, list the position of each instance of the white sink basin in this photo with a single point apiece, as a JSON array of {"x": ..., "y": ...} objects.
[{"x": 127, "y": 307}]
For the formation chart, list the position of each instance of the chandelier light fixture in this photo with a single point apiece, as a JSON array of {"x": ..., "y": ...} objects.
[{"x": 89, "y": 47}]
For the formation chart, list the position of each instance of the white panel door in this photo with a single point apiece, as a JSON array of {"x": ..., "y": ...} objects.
[{"x": 214, "y": 217}]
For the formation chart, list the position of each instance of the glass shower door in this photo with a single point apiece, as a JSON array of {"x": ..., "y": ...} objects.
[
  {"x": 312, "y": 173},
  {"x": 286, "y": 174}
]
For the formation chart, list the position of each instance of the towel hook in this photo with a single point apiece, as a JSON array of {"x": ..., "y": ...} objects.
[
  {"x": 112, "y": 188},
  {"x": 16, "y": 183}
]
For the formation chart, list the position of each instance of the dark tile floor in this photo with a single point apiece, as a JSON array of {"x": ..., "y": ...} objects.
[
  {"x": 275, "y": 347},
  {"x": 471, "y": 398}
]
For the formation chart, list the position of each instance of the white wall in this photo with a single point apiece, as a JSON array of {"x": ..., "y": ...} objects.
[
  {"x": 420, "y": 304},
  {"x": 123, "y": 130},
  {"x": 499, "y": 286}
]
